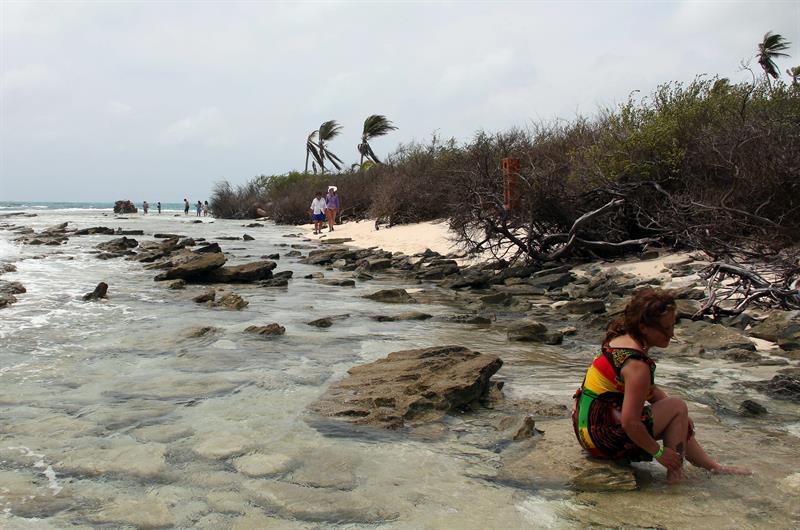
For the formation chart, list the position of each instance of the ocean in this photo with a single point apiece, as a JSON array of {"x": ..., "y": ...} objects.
[{"x": 72, "y": 206}]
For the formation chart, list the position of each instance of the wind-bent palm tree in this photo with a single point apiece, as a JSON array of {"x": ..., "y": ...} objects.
[
  {"x": 312, "y": 149},
  {"x": 374, "y": 126},
  {"x": 794, "y": 73},
  {"x": 327, "y": 132},
  {"x": 770, "y": 49}
]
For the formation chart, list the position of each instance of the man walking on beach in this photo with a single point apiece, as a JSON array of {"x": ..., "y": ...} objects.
[
  {"x": 145, "y": 206},
  {"x": 185, "y": 207},
  {"x": 158, "y": 205},
  {"x": 317, "y": 210}
]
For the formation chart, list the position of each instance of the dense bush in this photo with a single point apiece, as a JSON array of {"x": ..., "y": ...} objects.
[{"x": 705, "y": 164}]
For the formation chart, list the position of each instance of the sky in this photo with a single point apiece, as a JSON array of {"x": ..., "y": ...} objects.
[{"x": 158, "y": 101}]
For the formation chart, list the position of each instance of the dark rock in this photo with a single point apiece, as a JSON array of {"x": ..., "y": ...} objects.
[
  {"x": 391, "y": 296},
  {"x": 336, "y": 240},
  {"x": 742, "y": 356},
  {"x": 8, "y": 267},
  {"x": 716, "y": 337},
  {"x": 527, "y": 330},
  {"x": 321, "y": 322},
  {"x": 190, "y": 242},
  {"x": 7, "y": 292},
  {"x": 121, "y": 232},
  {"x": 123, "y": 206},
  {"x": 466, "y": 319},
  {"x": 363, "y": 276},
  {"x": 275, "y": 282},
  {"x": 497, "y": 299},
  {"x": 314, "y": 276},
  {"x": 271, "y": 256},
  {"x": 582, "y": 307},
  {"x": 248, "y": 237},
  {"x": 268, "y": 330},
  {"x": 207, "y": 296},
  {"x": 293, "y": 254},
  {"x": 231, "y": 301},
  {"x": 337, "y": 282},
  {"x": 474, "y": 279},
  {"x": 781, "y": 327},
  {"x": 410, "y": 386},
  {"x": 118, "y": 245},
  {"x": 104, "y": 230},
  {"x": 686, "y": 308},
  {"x": 229, "y": 238},
  {"x": 514, "y": 272},
  {"x": 190, "y": 265},
  {"x": 283, "y": 274},
  {"x": 409, "y": 315},
  {"x": 377, "y": 264},
  {"x": 752, "y": 408},
  {"x": 202, "y": 331},
  {"x": 649, "y": 254},
  {"x": 177, "y": 284},
  {"x": 781, "y": 386},
  {"x": 552, "y": 281},
  {"x": 208, "y": 249},
  {"x": 246, "y": 273},
  {"x": 98, "y": 293},
  {"x": 254, "y": 225},
  {"x": 167, "y": 236}
]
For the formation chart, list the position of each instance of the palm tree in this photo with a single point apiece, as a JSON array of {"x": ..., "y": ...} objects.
[
  {"x": 794, "y": 73},
  {"x": 374, "y": 126},
  {"x": 312, "y": 148},
  {"x": 327, "y": 132},
  {"x": 770, "y": 49}
]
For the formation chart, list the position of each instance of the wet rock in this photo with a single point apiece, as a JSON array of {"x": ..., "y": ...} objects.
[
  {"x": 7, "y": 292},
  {"x": 336, "y": 240},
  {"x": 474, "y": 279},
  {"x": 254, "y": 225},
  {"x": 248, "y": 237},
  {"x": 781, "y": 327},
  {"x": 223, "y": 445},
  {"x": 521, "y": 272},
  {"x": 321, "y": 322},
  {"x": 268, "y": 330},
  {"x": 568, "y": 330},
  {"x": 271, "y": 256},
  {"x": 752, "y": 408},
  {"x": 314, "y": 275},
  {"x": 391, "y": 296},
  {"x": 686, "y": 308},
  {"x": 409, "y": 386},
  {"x": 121, "y": 232},
  {"x": 363, "y": 276},
  {"x": 7, "y": 267},
  {"x": 231, "y": 301},
  {"x": 377, "y": 264},
  {"x": 229, "y": 238},
  {"x": 496, "y": 299},
  {"x": 208, "y": 249},
  {"x": 715, "y": 337},
  {"x": 123, "y": 206},
  {"x": 202, "y": 331},
  {"x": 742, "y": 356},
  {"x": 207, "y": 296},
  {"x": 99, "y": 292},
  {"x": 246, "y": 273},
  {"x": 582, "y": 307},
  {"x": 275, "y": 282},
  {"x": 409, "y": 315},
  {"x": 467, "y": 319},
  {"x": 262, "y": 465},
  {"x": 527, "y": 330},
  {"x": 190, "y": 265},
  {"x": 177, "y": 285},
  {"x": 121, "y": 457},
  {"x": 337, "y": 282},
  {"x": 781, "y": 386},
  {"x": 552, "y": 281},
  {"x": 104, "y": 230},
  {"x": 525, "y": 430},
  {"x": 161, "y": 433},
  {"x": 293, "y": 254},
  {"x": 118, "y": 245}
]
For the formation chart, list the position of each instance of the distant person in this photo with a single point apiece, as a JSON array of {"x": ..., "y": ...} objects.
[
  {"x": 205, "y": 208},
  {"x": 145, "y": 206},
  {"x": 317, "y": 211},
  {"x": 199, "y": 208},
  {"x": 158, "y": 205},
  {"x": 620, "y": 413},
  {"x": 185, "y": 207},
  {"x": 332, "y": 202}
]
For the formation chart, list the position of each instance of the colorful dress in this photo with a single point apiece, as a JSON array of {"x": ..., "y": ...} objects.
[{"x": 597, "y": 415}]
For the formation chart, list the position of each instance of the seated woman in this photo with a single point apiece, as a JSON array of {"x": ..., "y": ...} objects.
[{"x": 620, "y": 413}]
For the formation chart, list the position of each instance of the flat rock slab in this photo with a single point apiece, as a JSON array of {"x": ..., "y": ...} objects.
[
  {"x": 391, "y": 296},
  {"x": 410, "y": 386}
]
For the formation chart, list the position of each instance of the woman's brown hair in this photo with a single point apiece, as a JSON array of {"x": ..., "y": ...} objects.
[{"x": 646, "y": 307}]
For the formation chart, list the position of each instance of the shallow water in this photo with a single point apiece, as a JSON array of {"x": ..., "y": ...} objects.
[{"x": 113, "y": 417}]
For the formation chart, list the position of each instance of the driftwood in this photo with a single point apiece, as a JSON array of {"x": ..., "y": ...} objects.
[{"x": 733, "y": 288}]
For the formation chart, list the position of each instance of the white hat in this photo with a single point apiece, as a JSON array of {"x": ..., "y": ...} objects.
[{"x": 332, "y": 188}]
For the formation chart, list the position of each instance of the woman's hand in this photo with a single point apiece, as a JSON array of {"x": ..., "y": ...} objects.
[{"x": 671, "y": 459}]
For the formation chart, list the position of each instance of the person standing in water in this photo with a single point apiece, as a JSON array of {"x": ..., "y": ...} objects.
[
  {"x": 317, "y": 211},
  {"x": 205, "y": 208},
  {"x": 199, "y": 208},
  {"x": 145, "y": 206},
  {"x": 332, "y": 202},
  {"x": 620, "y": 413},
  {"x": 185, "y": 207},
  {"x": 158, "y": 205}
]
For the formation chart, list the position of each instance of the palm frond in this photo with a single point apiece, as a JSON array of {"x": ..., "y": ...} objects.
[
  {"x": 376, "y": 125},
  {"x": 313, "y": 150},
  {"x": 329, "y": 130}
]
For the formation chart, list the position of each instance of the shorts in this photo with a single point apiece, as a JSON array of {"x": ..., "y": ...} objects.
[
  {"x": 318, "y": 217},
  {"x": 606, "y": 432}
]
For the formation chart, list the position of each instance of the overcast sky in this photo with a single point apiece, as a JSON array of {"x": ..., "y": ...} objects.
[{"x": 160, "y": 100}]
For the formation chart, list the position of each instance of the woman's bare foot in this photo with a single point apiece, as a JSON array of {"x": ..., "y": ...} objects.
[
  {"x": 675, "y": 476},
  {"x": 730, "y": 470}
]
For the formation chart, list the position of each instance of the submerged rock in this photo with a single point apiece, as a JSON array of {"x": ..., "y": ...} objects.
[
  {"x": 269, "y": 329},
  {"x": 409, "y": 315},
  {"x": 410, "y": 386},
  {"x": 391, "y": 296},
  {"x": 527, "y": 330},
  {"x": 231, "y": 301},
  {"x": 781, "y": 386},
  {"x": 189, "y": 265}
]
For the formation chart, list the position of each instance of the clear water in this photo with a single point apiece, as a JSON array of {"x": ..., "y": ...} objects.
[{"x": 113, "y": 417}]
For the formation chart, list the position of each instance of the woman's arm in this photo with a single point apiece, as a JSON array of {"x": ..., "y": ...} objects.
[
  {"x": 637, "y": 384},
  {"x": 657, "y": 394}
]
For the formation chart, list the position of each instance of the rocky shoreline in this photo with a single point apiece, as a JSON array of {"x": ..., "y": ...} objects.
[{"x": 447, "y": 392}]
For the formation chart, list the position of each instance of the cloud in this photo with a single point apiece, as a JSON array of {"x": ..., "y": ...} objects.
[
  {"x": 117, "y": 109},
  {"x": 206, "y": 127},
  {"x": 26, "y": 78}
]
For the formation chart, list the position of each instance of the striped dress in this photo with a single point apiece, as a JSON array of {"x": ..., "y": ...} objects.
[{"x": 597, "y": 414}]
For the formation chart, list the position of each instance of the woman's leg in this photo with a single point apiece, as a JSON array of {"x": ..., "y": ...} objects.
[{"x": 671, "y": 423}]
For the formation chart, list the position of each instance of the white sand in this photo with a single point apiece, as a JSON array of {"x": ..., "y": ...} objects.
[{"x": 409, "y": 239}]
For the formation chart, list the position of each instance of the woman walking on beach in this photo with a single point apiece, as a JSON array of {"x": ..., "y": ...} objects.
[
  {"x": 205, "y": 208},
  {"x": 199, "y": 208},
  {"x": 619, "y": 413},
  {"x": 332, "y": 202}
]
